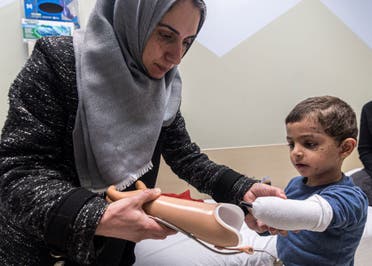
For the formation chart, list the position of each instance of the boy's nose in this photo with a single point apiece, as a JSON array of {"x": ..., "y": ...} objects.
[{"x": 297, "y": 152}]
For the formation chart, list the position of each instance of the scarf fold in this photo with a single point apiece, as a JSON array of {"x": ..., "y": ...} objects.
[{"x": 121, "y": 110}]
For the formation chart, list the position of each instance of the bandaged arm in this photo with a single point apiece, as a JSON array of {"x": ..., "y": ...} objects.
[{"x": 314, "y": 213}]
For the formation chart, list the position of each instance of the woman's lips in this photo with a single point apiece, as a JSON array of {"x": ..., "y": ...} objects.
[{"x": 161, "y": 68}]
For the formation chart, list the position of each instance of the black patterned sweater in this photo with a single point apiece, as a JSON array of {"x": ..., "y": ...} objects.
[{"x": 42, "y": 206}]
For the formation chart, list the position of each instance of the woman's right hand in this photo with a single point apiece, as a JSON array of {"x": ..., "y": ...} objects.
[{"x": 127, "y": 220}]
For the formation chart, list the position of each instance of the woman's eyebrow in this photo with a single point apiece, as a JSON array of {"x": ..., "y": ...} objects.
[
  {"x": 173, "y": 29},
  {"x": 169, "y": 27}
]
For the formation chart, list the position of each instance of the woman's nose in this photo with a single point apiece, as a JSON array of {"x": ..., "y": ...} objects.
[{"x": 175, "y": 53}]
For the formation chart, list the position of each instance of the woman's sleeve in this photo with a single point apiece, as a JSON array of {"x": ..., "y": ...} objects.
[
  {"x": 365, "y": 137},
  {"x": 189, "y": 163},
  {"x": 38, "y": 185}
]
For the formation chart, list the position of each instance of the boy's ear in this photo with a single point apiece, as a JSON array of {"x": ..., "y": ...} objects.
[{"x": 347, "y": 147}]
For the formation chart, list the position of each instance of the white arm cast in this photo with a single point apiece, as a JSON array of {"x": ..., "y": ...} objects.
[{"x": 314, "y": 213}]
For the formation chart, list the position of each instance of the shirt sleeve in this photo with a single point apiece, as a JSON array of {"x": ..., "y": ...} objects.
[
  {"x": 189, "y": 163},
  {"x": 349, "y": 205},
  {"x": 313, "y": 213},
  {"x": 38, "y": 182}
]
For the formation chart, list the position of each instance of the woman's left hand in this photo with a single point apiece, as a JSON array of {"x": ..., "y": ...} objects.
[{"x": 261, "y": 190}]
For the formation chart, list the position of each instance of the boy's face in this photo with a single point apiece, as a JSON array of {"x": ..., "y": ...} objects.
[{"x": 313, "y": 153}]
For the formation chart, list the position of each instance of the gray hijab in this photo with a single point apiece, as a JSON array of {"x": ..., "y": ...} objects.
[{"x": 121, "y": 110}]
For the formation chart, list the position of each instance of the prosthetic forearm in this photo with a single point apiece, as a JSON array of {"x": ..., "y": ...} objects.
[{"x": 314, "y": 213}]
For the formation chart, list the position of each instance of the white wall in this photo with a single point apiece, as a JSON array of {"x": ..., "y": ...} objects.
[
  {"x": 243, "y": 97},
  {"x": 12, "y": 51}
]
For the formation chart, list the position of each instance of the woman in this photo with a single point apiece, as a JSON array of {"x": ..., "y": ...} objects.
[
  {"x": 363, "y": 177},
  {"x": 99, "y": 110}
]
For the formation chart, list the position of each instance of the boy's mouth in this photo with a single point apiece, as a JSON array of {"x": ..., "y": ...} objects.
[{"x": 301, "y": 166}]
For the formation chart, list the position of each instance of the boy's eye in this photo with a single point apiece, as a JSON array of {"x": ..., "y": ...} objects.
[
  {"x": 291, "y": 146},
  {"x": 310, "y": 145}
]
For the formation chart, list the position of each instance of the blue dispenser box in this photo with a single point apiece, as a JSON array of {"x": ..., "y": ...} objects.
[{"x": 56, "y": 10}]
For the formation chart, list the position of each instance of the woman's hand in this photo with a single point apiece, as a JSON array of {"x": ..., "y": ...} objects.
[
  {"x": 126, "y": 219},
  {"x": 261, "y": 190}
]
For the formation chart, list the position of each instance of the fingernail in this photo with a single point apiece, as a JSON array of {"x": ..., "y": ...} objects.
[{"x": 157, "y": 190}]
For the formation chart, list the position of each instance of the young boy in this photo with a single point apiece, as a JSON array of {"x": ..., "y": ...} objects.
[{"x": 323, "y": 203}]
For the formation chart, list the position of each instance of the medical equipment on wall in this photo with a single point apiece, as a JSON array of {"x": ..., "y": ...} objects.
[{"x": 43, "y": 18}]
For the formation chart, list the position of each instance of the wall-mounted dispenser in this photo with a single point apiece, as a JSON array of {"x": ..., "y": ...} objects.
[
  {"x": 43, "y": 18},
  {"x": 55, "y": 10}
]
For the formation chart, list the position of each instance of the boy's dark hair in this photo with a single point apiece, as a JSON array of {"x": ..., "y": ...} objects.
[{"x": 335, "y": 116}]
